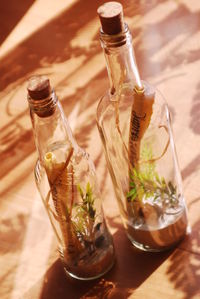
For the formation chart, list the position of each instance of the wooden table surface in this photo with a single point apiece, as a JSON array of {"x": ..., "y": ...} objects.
[{"x": 60, "y": 39}]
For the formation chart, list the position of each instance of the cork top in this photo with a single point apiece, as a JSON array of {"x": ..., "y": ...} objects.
[
  {"x": 39, "y": 87},
  {"x": 111, "y": 17}
]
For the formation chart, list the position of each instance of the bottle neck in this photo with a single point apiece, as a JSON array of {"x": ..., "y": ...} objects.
[
  {"x": 120, "y": 60},
  {"x": 50, "y": 126}
]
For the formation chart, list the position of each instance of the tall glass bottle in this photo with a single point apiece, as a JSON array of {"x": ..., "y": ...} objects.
[
  {"x": 66, "y": 179},
  {"x": 134, "y": 125}
]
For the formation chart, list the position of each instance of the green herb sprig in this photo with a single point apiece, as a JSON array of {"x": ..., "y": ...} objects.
[
  {"x": 85, "y": 213},
  {"x": 146, "y": 183}
]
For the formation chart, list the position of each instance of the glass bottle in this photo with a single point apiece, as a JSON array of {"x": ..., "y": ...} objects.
[
  {"x": 134, "y": 125},
  {"x": 66, "y": 179}
]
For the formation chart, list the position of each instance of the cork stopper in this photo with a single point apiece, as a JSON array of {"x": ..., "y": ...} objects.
[
  {"x": 39, "y": 87},
  {"x": 111, "y": 17}
]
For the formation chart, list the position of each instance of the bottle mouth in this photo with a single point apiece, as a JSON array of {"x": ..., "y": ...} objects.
[
  {"x": 41, "y": 97},
  {"x": 43, "y": 107},
  {"x": 115, "y": 40}
]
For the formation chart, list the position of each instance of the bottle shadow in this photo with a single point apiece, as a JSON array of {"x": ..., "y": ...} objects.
[{"x": 131, "y": 269}]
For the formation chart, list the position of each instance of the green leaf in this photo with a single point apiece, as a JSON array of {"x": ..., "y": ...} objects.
[
  {"x": 132, "y": 184},
  {"x": 146, "y": 182},
  {"x": 171, "y": 188},
  {"x": 163, "y": 181},
  {"x": 80, "y": 191},
  {"x": 131, "y": 193},
  {"x": 88, "y": 188}
]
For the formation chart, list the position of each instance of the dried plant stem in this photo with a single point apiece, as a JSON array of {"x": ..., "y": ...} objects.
[
  {"x": 50, "y": 211},
  {"x": 141, "y": 112},
  {"x": 61, "y": 189},
  {"x": 142, "y": 109},
  {"x": 125, "y": 147},
  {"x": 72, "y": 192}
]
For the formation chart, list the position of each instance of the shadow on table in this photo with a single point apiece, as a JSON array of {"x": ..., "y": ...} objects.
[
  {"x": 184, "y": 269},
  {"x": 14, "y": 11},
  {"x": 12, "y": 230},
  {"x": 56, "y": 46},
  {"x": 131, "y": 269},
  {"x": 195, "y": 112}
]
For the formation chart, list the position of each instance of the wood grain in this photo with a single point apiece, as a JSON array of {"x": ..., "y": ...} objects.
[{"x": 38, "y": 38}]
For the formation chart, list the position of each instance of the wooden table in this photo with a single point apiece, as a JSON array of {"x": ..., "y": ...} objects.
[{"x": 60, "y": 39}]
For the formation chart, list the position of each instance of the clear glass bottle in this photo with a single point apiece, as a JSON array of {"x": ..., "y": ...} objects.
[
  {"x": 134, "y": 126},
  {"x": 66, "y": 179}
]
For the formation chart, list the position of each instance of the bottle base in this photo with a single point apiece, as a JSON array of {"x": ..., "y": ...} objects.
[
  {"x": 89, "y": 267},
  {"x": 147, "y": 248},
  {"x": 158, "y": 248},
  {"x": 68, "y": 273}
]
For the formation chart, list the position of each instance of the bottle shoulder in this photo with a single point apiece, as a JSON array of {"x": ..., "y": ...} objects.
[
  {"x": 124, "y": 100},
  {"x": 61, "y": 156},
  {"x": 110, "y": 104}
]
